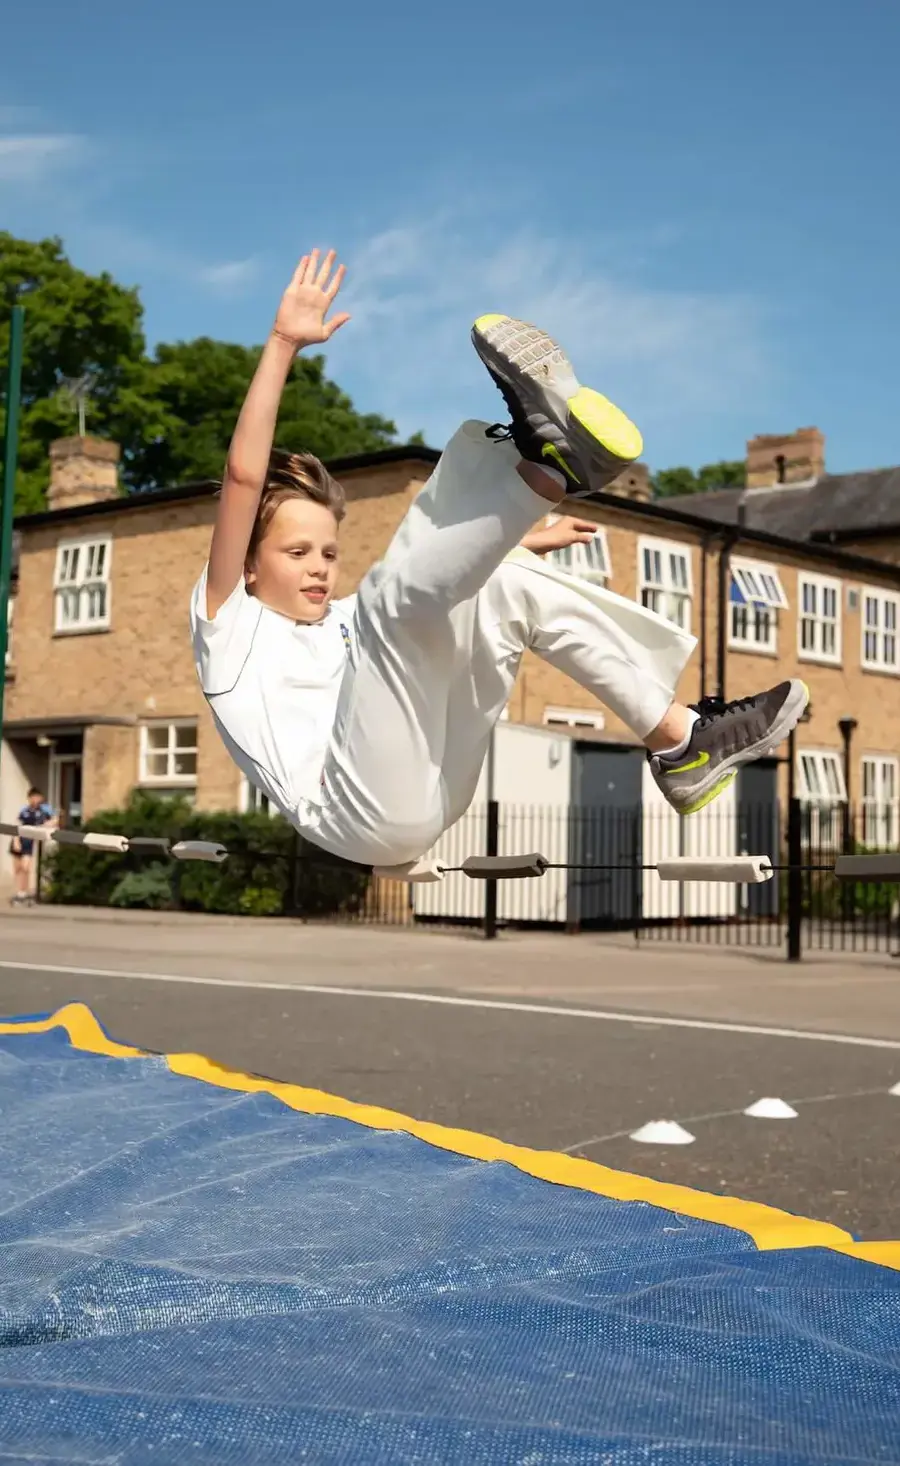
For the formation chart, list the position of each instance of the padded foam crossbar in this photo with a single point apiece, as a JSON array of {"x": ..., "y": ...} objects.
[
  {"x": 868, "y": 867},
  {"x": 417, "y": 872},
  {"x": 504, "y": 867},
  {"x": 748, "y": 870},
  {"x": 41, "y": 833},
  {"x": 117, "y": 844},
  {"x": 91, "y": 841},
  {"x": 199, "y": 850}
]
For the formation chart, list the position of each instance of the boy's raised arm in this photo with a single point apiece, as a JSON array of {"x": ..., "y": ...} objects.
[{"x": 300, "y": 322}]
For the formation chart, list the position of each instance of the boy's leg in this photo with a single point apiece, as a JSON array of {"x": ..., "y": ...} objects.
[
  {"x": 579, "y": 628},
  {"x": 441, "y": 632},
  {"x": 384, "y": 777}
]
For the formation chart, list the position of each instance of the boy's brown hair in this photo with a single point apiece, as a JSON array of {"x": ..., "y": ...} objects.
[{"x": 295, "y": 476}]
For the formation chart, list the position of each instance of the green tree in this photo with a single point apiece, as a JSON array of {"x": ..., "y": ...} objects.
[
  {"x": 173, "y": 413},
  {"x": 75, "y": 323},
  {"x": 199, "y": 386},
  {"x": 728, "y": 474}
]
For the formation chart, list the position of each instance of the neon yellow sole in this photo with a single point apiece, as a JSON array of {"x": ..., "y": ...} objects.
[
  {"x": 484, "y": 323},
  {"x": 606, "y": 422},
  {"x": 713, "y": 794}
]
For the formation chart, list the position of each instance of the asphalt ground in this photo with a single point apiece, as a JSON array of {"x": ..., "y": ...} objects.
[{"x": 553, "y": 1042}]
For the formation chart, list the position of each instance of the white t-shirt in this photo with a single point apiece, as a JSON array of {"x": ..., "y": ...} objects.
[{"x": 272, "y": 685}]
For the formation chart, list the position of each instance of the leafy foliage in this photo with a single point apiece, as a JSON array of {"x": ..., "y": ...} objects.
[
  {"x": 265, "y": 873},
  {"x": 172, "y": 412},
  {"x": 728, "y": 474}
]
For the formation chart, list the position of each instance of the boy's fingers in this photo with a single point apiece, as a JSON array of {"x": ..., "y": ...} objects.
[
  {"x": 327, "y": 265},
  {"x": 299, "y": 274},
  {"x": 312, "y": 268},
  {"x": 337, "y": 282},
  {"x": 335, "y": 325}
]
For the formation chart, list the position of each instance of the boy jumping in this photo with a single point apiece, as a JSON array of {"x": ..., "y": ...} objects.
[{"x": 366, "y": 721}]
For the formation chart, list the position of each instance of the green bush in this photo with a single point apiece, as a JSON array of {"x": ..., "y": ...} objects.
[
  {"x": 265, "y": 873},
  {"x": 150, "y": 889}
]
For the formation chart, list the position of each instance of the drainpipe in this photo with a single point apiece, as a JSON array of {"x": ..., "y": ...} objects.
[
  {"x": 704, "y": 547},
  {"x": 728, "y": 543}
]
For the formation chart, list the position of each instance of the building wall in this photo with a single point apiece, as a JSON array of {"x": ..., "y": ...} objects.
[{"x": 141, "y": 669}]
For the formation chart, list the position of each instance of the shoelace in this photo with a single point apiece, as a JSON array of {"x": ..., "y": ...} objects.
[{"x": 710, "y": 708}]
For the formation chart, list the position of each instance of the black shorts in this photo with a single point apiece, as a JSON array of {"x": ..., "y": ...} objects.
[{"x": 26, "y": 847}]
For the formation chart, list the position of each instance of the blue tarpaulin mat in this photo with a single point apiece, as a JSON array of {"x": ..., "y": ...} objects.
[{"x": 217, "y": 1270}]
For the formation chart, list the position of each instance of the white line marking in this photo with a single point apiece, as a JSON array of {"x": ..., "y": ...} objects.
[{"x": 650, "y": 1020}]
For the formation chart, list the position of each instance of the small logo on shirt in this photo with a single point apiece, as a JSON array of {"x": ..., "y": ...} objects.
[{"x": 346, "y": 635}]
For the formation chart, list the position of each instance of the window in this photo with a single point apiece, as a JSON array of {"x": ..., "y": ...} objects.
[
  {"x": 819, "y": 633},
  {"x": 169, "y": 754},
  {"x": 823, "y": 793},
  {"x": 879, "y": 631},
  {"x": 253, "y": 801},
  {"x": 81, "y": 585},
  {"x": 573, "y": 718},
  {"x": 587, "y": 562},
  {"x": 665, "y": 580},
  {"x": 880, "y": 800},
  {"x": 757, "y": 596}
]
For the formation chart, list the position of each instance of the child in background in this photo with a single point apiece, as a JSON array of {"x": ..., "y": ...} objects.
[{"x": 36, "y": 811}]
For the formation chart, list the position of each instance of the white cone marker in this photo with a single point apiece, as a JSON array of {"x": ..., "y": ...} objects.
[
  {"x": 771, "y": 1109},
  {"x": 895, "y": 1090},
  {"x": 663, "y": 1132}
]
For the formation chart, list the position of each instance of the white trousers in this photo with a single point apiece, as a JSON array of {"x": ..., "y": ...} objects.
[{"x": 441, "y": 625}]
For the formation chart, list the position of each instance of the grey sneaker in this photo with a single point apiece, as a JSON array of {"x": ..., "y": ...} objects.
[
  {"x": 726, "y": 735},
  {"x": 555, "y": 421}
]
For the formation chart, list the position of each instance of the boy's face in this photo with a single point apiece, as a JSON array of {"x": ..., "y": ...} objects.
[
  {"x": 35, "y": 800},
  {"x": 295, "y": 568}
]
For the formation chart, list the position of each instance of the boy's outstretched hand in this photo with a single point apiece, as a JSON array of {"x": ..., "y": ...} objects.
[
  {"x": 559, "y": 535},
  {"x": 307, "y": 300}
]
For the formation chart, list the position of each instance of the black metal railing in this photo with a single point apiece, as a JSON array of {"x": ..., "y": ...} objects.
[{"x": 272, "y": 871}]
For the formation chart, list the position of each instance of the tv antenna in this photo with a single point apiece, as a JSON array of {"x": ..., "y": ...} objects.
[{"x": 78, "y": 391}]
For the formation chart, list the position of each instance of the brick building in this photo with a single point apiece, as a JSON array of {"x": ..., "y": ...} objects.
[{"x": 797, "y": 575}]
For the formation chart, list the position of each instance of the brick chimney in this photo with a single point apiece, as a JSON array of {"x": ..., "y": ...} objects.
[
  {"x": 634, "y": 483},
  {"x": 82, "y": 471},
  {"x": 786, "y": 458}
]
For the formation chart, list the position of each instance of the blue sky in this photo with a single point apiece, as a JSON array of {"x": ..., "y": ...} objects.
[{"x": 699, "y": 199}]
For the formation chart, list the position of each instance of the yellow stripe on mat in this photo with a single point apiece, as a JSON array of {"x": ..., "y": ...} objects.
[{"x": 769, "y": 1228}]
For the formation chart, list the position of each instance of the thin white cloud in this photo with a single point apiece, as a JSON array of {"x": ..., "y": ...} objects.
[
  {"x": 29, "y": 157},
  {"x": 230, "y": 278},
  {"x": 414, "y": 290}
]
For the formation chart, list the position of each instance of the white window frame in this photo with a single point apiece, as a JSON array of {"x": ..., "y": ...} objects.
[
  {"x": 759, "y": 583},
  {"x": 170, "y": 779},
  {"x": 588, "y": 562},
  {"x": 879, "y": 784},
  {"x": 78, "y": 590},
  {"x": 252, "y": 800},
  {"x": 822, "y": 791},
  {"x": 880, "y": 632},
  {"x": 820, "y": 586},
  {"x": 753, "y": 622},
  {"x": 660, "y": 587},
  {"x": 573, "y": 718},
  {"x": 10, "y": 612}
]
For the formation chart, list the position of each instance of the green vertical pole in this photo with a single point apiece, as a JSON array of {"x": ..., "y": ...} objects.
[{"x": 8, "y": 493}]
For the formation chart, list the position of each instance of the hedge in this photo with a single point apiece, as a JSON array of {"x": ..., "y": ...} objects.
[{"x": 265, "y": 874}]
